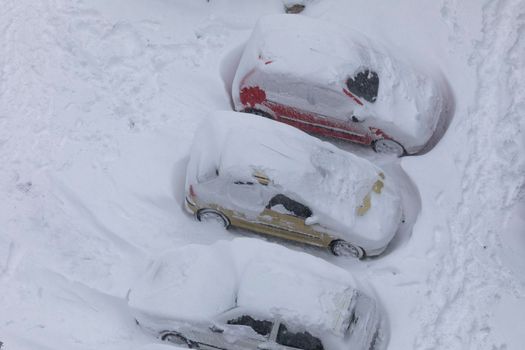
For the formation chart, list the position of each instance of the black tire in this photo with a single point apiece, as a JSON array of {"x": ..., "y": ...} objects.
[
  {"x": 385, "y": 146},
  {"x": 340, "y": 247},
  {"x": 209, "y": 215},
  {"x": 258, "y": 112},
  {"x": 176, "y": 338}
]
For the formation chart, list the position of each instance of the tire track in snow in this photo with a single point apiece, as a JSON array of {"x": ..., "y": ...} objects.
[{"x": 470, "y": 278}]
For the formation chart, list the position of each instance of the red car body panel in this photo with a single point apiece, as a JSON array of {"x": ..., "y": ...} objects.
[{"x": 253, "y": 97}]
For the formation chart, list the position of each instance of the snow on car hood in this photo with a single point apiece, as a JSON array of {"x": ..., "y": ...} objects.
[
  {"x": 317, "y": 53},
  {"x": 330, "y": 181},
  {"x": 198, "y": 282}
]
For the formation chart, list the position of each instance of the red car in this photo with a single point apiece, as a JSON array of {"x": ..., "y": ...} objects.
[{"x": 329, "y": 81}]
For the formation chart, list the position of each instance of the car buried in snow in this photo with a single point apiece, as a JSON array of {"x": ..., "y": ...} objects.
[
  {"x": 252, "y": 173},
  {"x": 250, "y": 294},
  {"x": 329, "y": 81}
]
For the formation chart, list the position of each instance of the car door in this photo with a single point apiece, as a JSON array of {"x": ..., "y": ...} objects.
[
  {"x": 290, "y": 99},
  {"x": 285, "y": 217},
  {"x": 318, "y": 109},
  {"x": 246, "y": 201}
]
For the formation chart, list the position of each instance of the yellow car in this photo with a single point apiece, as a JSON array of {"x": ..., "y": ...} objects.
[{"x": 274, "y": 179}]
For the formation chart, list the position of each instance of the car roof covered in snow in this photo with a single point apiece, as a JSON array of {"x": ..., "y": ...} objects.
[
  {"x": 330, "y": 181},
  {"x": 320, "y": 53},
  {"x": 199, "y": 282}
]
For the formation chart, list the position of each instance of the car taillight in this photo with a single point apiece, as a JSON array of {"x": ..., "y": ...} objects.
[{"x": 192, "y": 192}]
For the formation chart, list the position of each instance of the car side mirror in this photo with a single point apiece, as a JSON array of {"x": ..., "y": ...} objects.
[
  {"x": 216, "y": 329},
  {"x": 357, "y": 120}
]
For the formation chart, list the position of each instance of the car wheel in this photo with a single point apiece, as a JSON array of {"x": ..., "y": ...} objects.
[
  {"x": 388, "y": 147},
  {"x": 258, "y": 112},
  {"x": 343, "y": 248},
  {"x": 176, "y": 338},
  {"x": 213, "y": 216}
]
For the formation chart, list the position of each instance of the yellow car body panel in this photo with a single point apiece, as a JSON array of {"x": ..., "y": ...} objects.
[{"x": 272, "y": 223}]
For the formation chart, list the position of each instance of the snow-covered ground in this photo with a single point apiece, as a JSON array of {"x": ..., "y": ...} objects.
[{"x": 98, "y": 104}]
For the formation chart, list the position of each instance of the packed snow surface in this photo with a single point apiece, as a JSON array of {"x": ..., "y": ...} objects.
[
  {"x": 331, "y": 182},
  {"x": 313, "y": 55},
  {"x": 99, "y": 103}
]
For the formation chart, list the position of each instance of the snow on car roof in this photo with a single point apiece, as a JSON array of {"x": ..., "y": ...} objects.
[
  {"x": 328, "y": 180},
  {"x": 318, "y": 52},
  {"x": 198, "y": 282}
]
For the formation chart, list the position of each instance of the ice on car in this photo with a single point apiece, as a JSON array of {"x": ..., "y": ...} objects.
[{"x": 253, "y": 173}]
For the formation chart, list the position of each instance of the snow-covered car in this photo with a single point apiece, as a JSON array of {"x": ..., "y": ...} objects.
[
  {"x": 271, "y": 178},
  {"x": 330, "y": 81},
  {"x": 250, "y": 294}
]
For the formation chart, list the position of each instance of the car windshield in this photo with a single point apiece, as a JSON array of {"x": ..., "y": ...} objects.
[
  {"x": 299, "y": 340},
  {"x": 262, "y": 327}
]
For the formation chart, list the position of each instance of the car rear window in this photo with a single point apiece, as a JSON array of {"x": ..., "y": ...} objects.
[
  {"x": 364, "y": 84},
  {"x": 299, "y": 340}
]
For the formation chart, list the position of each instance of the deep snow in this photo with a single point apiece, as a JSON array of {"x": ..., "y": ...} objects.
[{"x": 98, "y": 105}]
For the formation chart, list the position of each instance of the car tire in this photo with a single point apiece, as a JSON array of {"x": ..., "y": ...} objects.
[
  {"x": 177, "y": 339},
  {"x": 343, "y": 248},
  {"x": 258, "y": 112},
  {"x": 212, "y": 215},
  {"x": 386, "y": 146}
]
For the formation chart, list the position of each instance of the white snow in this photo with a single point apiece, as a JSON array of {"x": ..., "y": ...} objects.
[
  {"x": 197, "y": 283},
  {"x": 99, "y": 102},
  {"x": 290, "y": 50}
]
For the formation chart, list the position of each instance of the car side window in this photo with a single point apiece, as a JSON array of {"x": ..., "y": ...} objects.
[
  {"x": 289, "y": 204},
  {"x": 299, "y": 340},
  {"x": 262, "y": 327},
  {"x": 325, "y": 98},
  {"x": 364, "y": 84}
]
